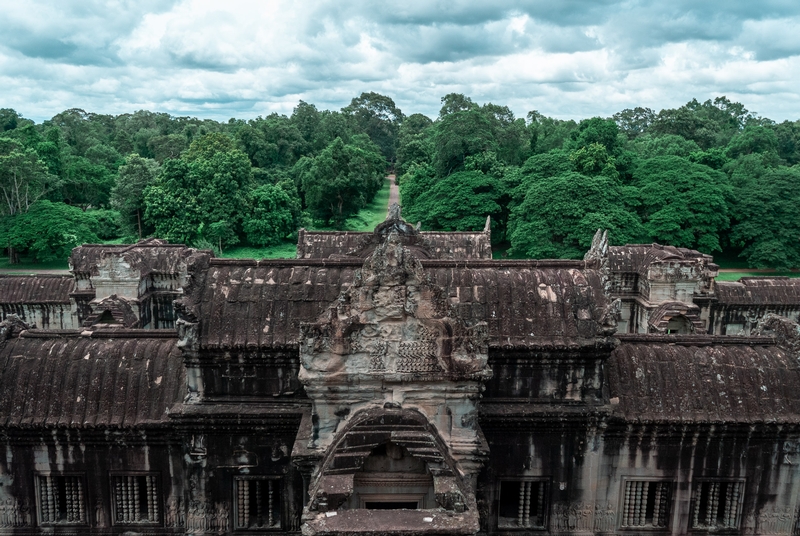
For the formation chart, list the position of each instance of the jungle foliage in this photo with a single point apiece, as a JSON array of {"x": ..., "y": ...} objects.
[{"x": 708, "y": 175}]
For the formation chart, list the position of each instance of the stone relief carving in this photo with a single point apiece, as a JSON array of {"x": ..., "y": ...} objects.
[
  {"x": 776, "y": 521},
  {"x": 174, "y": 516},
  {"x": 393, "y": 320},
  {"x": 14, "y": 513},
  {"x": 576, "y": 517},
  {"x": 393, "y": 346},
  {"x": 605, "y": 518},
  {"x": 208, "y": 517}
]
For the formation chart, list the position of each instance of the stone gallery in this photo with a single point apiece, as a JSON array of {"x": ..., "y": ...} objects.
[{"x": 398, "y": 382}]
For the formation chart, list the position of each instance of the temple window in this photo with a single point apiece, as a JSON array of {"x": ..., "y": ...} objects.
[
  {"x": 523, "y": 504},
  {"x": 646, "y": 504},
  {"x": 257, "y": 502},
  {"x": 61, "y": 499},
  {"x": 716, "y": 504},
  {"x": 136, "y": 499}
]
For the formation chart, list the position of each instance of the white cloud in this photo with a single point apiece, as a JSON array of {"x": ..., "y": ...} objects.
[{"x": 575, "y": 58}]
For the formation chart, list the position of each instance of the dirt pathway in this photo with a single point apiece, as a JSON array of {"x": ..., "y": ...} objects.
[{"x": 394, "y": 192}]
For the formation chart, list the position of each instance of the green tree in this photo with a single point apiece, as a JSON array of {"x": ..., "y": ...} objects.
[
  {"x": 788, "y": 135},
  {"x": 9, "y": 119},
  {"x": 127, "y": 196},
  {"x": 596, "y": 130},
  {"x": 459, "y": 202},
  {"x": 414, "y": 145},
  {"x": 546, "y": 133},
  {"x": 307, "y": 120},
  {"x": 594, "y": 159},
  {"x": 341, "y": 180},
  {"x": 648, "y": 146},
  {"x": 634, "y": 122},
  {"x": 378, "y": 117},
  {"x": 24, "y": 177},
  {"x": 87, "y": 184},
  {"x": 753, "y": 139},
  {"x": 275, "y": 213},
  {"x": 201, "y": 194},
  {"x": 48, "y": 231},
  {"x": 768, "y": 228},
  {"x": 510, "y": 134},
  {"x": 709, "y": 124},
  {"x": 272, "y": 142},
  {"x": 458, "y": 135},
  {"x": 168, "y": 146},
  {"x": 559, "y": 215},
  {"x": 454, "y": 103},
  {"x": 682, "y": 203}
]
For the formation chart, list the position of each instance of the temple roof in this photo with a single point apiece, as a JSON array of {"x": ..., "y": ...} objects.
[
  {"x": 262, "y": 303},
  {"x": 124, "y": 379},
  {"x": 759, "y": 291},
  {"x": 712, "y": 379},
  {"x": 637, "y": 258},
  {"x": 435, "y": 245},
  {"x": 35, "y": 289},
  {"x": 146, "y": 256}
]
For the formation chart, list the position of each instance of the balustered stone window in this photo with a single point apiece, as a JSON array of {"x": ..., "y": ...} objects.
[
  {"x": 61, "y": 499},
  {"x": 716, "y": 504},
  {"x": 257, "y": 503},
  {"x": 646, "y": 504},
  {"x": 523, "y": 504},
  {"x": 136, "y": 499}
]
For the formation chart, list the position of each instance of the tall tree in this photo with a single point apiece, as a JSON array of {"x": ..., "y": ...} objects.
[
  {"x": 200, "y": 195},
  {"x": 341, "y": 180},
  {"x": 682, "y": 203},
  {"x": 24, "y": 177},
  {"x": 459, "y": 202},
  {"x": 459, "y": 135},
  {"x": 275, "y": 213},
  {"x": 768, "y": 222},
  {"x": 378, "y": 117},
  {"x": 559, "y": 215},
  {"x": 127, "y": 196}
]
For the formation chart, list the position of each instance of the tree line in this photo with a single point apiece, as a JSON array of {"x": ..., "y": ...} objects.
[
  {"x": 710, "y": 176},
  {"x": 83, "y": 177}
]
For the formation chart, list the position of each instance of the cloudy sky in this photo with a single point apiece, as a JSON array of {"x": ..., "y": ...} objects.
[{"x": 237, "y": 58}]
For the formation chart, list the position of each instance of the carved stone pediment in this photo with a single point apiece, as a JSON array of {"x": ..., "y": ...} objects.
[
  {"x": 393, "y": 320},
  {"x": 392, "y": 348}
]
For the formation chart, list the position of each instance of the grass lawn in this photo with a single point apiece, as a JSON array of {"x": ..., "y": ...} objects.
[
  {"x": 735, "y": 276},
  {"x": 286, "y": 250}
]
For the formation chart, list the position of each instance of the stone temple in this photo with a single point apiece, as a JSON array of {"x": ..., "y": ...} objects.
[{"x": 398, "y": 382}]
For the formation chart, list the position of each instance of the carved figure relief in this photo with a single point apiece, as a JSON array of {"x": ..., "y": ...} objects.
[{"x": 14, "y": 513}]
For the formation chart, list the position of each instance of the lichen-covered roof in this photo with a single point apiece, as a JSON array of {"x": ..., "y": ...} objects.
[
  {"x": 759, "y": 291},
  {"x": 147, "y": 256},
  {"x": 704, "y": 379},
  {"x": 436, "y": 245},
  {"x": 35, "y": 289},
  {"x": 62, "y": 379},
  {"x": 262, "y": 303},
  {"x": 636, "y": 258}
]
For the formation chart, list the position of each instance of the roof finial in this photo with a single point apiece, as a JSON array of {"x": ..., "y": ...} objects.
[{"x": 394, "y": 212}]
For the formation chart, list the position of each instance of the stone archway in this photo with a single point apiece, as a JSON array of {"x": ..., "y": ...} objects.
[{"x": 389, "y": 470}]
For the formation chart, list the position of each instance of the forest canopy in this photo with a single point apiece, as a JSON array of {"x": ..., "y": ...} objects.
[{"x": 708, "y": 175}]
